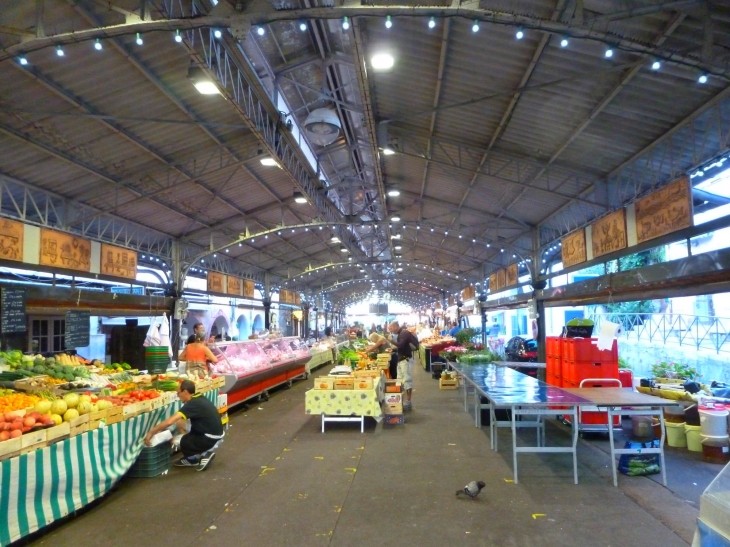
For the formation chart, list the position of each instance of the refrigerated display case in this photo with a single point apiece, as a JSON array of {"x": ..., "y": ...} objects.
[{"x": 252, "y": 367}]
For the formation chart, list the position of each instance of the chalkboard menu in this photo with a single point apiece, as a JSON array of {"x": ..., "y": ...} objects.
[
  {"x": 12, "y": 310},
  {"x": 76, "y": 334}
]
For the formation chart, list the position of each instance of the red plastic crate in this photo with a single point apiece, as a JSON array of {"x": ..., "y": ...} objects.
[
  {"x": 585, "y": 349},
  {"x": 553, "y": 380},
  {"x": 554, "y": 366},
  {"x": 626, "y": 377},
  {"x": 575, "y": 371},
  {"x": 591, "y": 417},
  {"x": 553, "y": 346}
]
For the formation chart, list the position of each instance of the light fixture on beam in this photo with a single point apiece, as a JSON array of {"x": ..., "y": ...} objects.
[
  {"x": 299, "y": 197},
  {"x": 394, "y": 192},
  {"x": 322, "y": 126},
  {"x": 268, "y": 161},
  {"x": 202, "y": 82}
]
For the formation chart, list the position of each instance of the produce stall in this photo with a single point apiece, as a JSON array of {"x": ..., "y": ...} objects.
[
  {"x": 65, "y": 473},
  {"x": 252, "y": 367},
  {"x": 321, "y": 355},
  {"x": 337, "y": 399},
  {"x": 431, "y": 346}
]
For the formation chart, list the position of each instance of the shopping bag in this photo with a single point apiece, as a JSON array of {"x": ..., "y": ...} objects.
[{"x": 640, "y": 464}]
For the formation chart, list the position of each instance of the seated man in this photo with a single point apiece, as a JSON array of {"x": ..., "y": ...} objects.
[{"x": 205, "y": 432}]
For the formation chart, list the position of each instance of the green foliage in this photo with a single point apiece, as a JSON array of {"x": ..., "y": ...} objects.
[
  {"x": 464, "y": 336},
  {"x": 664, "y": 369},
  {"x": 482, "y": 356},
  {"x": 623, "y": 364}
]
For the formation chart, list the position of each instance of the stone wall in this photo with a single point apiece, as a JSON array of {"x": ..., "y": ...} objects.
[{"x": 641, "y": 355}]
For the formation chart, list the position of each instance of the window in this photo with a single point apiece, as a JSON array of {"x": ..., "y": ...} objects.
[{"x": 47, "y": 335}]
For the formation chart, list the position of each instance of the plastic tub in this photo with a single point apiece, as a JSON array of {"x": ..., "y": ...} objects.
[
  {"x": 674, "y": 414},
  {"x": 716, "y": 449},
  {"x": 641, "y": 426},
  {"x": 714, "y": 421},
  {"x": 694, "y": 437},
  {"x": 676, "y": 435}
]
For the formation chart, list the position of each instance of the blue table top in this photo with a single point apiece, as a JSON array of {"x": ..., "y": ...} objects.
[{"x": 505, "y": 386}]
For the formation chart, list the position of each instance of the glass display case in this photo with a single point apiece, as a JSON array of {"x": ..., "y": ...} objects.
[
  {"x": 714, "y": 518},
  {"x": 240, "y": 358},
  {"x": 254, "y": 356}
]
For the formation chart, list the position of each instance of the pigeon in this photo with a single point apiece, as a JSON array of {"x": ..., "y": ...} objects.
[{"x": 472, "y": 489}]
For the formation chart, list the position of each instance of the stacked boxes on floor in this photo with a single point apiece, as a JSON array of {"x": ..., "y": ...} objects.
[
  {"x": 572, "y": 360},
  {"x": 152, "y": 461},
  {"x": 393, "y": 403}
]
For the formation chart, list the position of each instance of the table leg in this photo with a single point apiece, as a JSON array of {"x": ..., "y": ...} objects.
[
  {"x": 574, "y": 430},
  {"x": 493, "y": 425},
  {"x": 477, "y": 409},
  {"x": 661, "y": 447},
  {"x": 362, "y": 424},
  {"x": 514, "y": 444},
  {"x": 613, "y": 448},
  {"x": 322, "y": 422}
]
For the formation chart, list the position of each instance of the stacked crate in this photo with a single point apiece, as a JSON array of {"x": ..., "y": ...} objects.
[
  {"x": 554, "y": 366},
  {"x": 581, "y": 359}
]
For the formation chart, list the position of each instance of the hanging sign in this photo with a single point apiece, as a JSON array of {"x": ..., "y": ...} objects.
[
  {"x": 664, "y": 211},
  {"x": 297, "y": 298},
  {"x": 233, "y": 285},
  {"x": 62, "y": 250},
  {"x": 573, "y": 248},
  {"x": 76, "y": 332},
  {"x": 118, "y": 262},
  {"x": 11, "y": 240},
  {"x": 248, "y": 288},
  {"x": 216, "y": 282},
  {"x": 511, "y": 275},
  {"x": 609, "y": 234},
  {"x": 12, "y": 310}
]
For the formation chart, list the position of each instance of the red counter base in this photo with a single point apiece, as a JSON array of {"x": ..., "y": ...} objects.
[{"x": 252, "y": 390}]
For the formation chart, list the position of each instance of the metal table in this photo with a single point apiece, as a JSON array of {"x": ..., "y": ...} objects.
[{"x": 526, "y": 396}]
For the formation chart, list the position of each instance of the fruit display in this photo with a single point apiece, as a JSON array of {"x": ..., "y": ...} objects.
[
  {"x": 17, "y": 401},
  {"x": 15, "y": 424}
]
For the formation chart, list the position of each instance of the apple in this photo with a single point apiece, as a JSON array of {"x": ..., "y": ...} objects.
[
  {"x": 29, "y": 421},
  {"x": 4, "y": 435},
  {"x": 15, "y": 433}
]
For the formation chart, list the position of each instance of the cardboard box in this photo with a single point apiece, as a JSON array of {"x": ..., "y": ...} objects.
[
  {"x": 58, "y": 433},
  {"x": 324, "y": 382},
  {"x": 10, "y": 448},
  {"x": 33, "y": 437},
  {"x": 394, "y": 419},
  {"x": 363, "y": 383},
  {"x": 448, "y": 384},
  {"x": 393, "y": 386},
  {"x": 344, "y": 383},
  {"x": 79, "y": 429},
  {"x": 393, "y": 398},
  {"x": 367, "y": 374},
  {"x": 393, "y": 408},
  {"x": 222, "y": 400}
]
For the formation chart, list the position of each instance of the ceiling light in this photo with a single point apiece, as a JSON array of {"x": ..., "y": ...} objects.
[
  {"x": 335, "y": 239},
  {"x": 322, "y": 126},
  {"x": 388, "y": 22},
  {"x": 398, "y": 247},
  {"x": 299, "y": 198},
  {"x": 395, "y": 218},
  {"x": 431, "y": 22},
  {"x": 59, "y": 51},
  {"x": 475, "y": 26},
  {"x": 393, "y": 192},
  {"x": 564, "y": 42},
  {"x": 217, "y": 33},
  {"x": 609, "y": 53},
  {"x": 23, "y": 61},
  {"x": 178, "y": 36},
  {"x": 97, "y": 45},
  {"x": 260, "y": 30},
  {"x": 382, "y": 61},
  {"x": 139, "y": 39},
  {"x": 702, "y": 79},
  {"x": 202, "y": 82},
  {"x": 303, "y": 26},
  {"x": 343, "y": 249},
  {"x": 345, "y": 23},
  {"x": 268, "y": 161},
  {"x": 656, "y": 65},
  {"x": 520, "y": 34},
  {"x": 388, "y": 151}
]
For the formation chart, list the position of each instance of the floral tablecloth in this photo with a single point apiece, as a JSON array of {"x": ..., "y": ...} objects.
[{"x": 346, "y": 402}]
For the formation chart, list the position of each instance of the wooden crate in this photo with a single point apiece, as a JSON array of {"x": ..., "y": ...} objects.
[
  {"x": 10, "y": 448},
  {"x": 58, "y": 433},
  {"x": 144, "y": 406},
  {"x": 83, "y": 419},
  {"x": 33, "y": 447},
  {"x": 33, "y": 437},
  {"x": 114, "y": 415},
  {"x": 157, "y": 403},
  {"x": 219, "y": 382},
  {"x": 79, "y": 429},
  {"x": 98, "y": 415},
  {"x": 448, "y": 384},
  {"x": 130, "y": 411}
]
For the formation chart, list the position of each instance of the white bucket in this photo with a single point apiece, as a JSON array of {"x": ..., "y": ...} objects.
[{"x": 714, "y": 421}]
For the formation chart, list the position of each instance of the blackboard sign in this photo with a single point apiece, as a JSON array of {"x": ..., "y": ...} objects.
[
  {"x": 12, "y": 310},
  {"x": 76, "y": 334}
]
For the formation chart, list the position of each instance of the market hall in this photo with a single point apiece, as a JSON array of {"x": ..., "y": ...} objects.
[{"x": 527, "y": 202}]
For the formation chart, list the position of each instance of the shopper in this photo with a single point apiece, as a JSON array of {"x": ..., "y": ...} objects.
[
  {"x": 196, "y": 356},
  {"x": 377, "y": 343},
  {"x": 205, "y": 432},
  {"x": 456, "y": 328},
  {"x": 406, "y": 343}
]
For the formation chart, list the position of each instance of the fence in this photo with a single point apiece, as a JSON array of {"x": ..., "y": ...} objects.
[{"x": 698, "y": 331}]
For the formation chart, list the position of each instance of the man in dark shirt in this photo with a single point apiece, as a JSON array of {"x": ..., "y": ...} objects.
[
  {"x": 205, "y": 427},
  {"x": 405, "y": 341}
]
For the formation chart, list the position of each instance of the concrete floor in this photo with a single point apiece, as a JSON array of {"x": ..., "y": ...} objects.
[{"x": 278, "y": 481}]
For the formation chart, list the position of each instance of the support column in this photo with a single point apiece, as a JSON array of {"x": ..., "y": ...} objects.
[
  {"x": 177, "y": 281},
  {"x": 305, "y": 320},
  {"x": 267, "y": 303}
]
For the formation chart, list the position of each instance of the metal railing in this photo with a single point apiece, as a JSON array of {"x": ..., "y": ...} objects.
[{"x": 698, "y": 331}]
